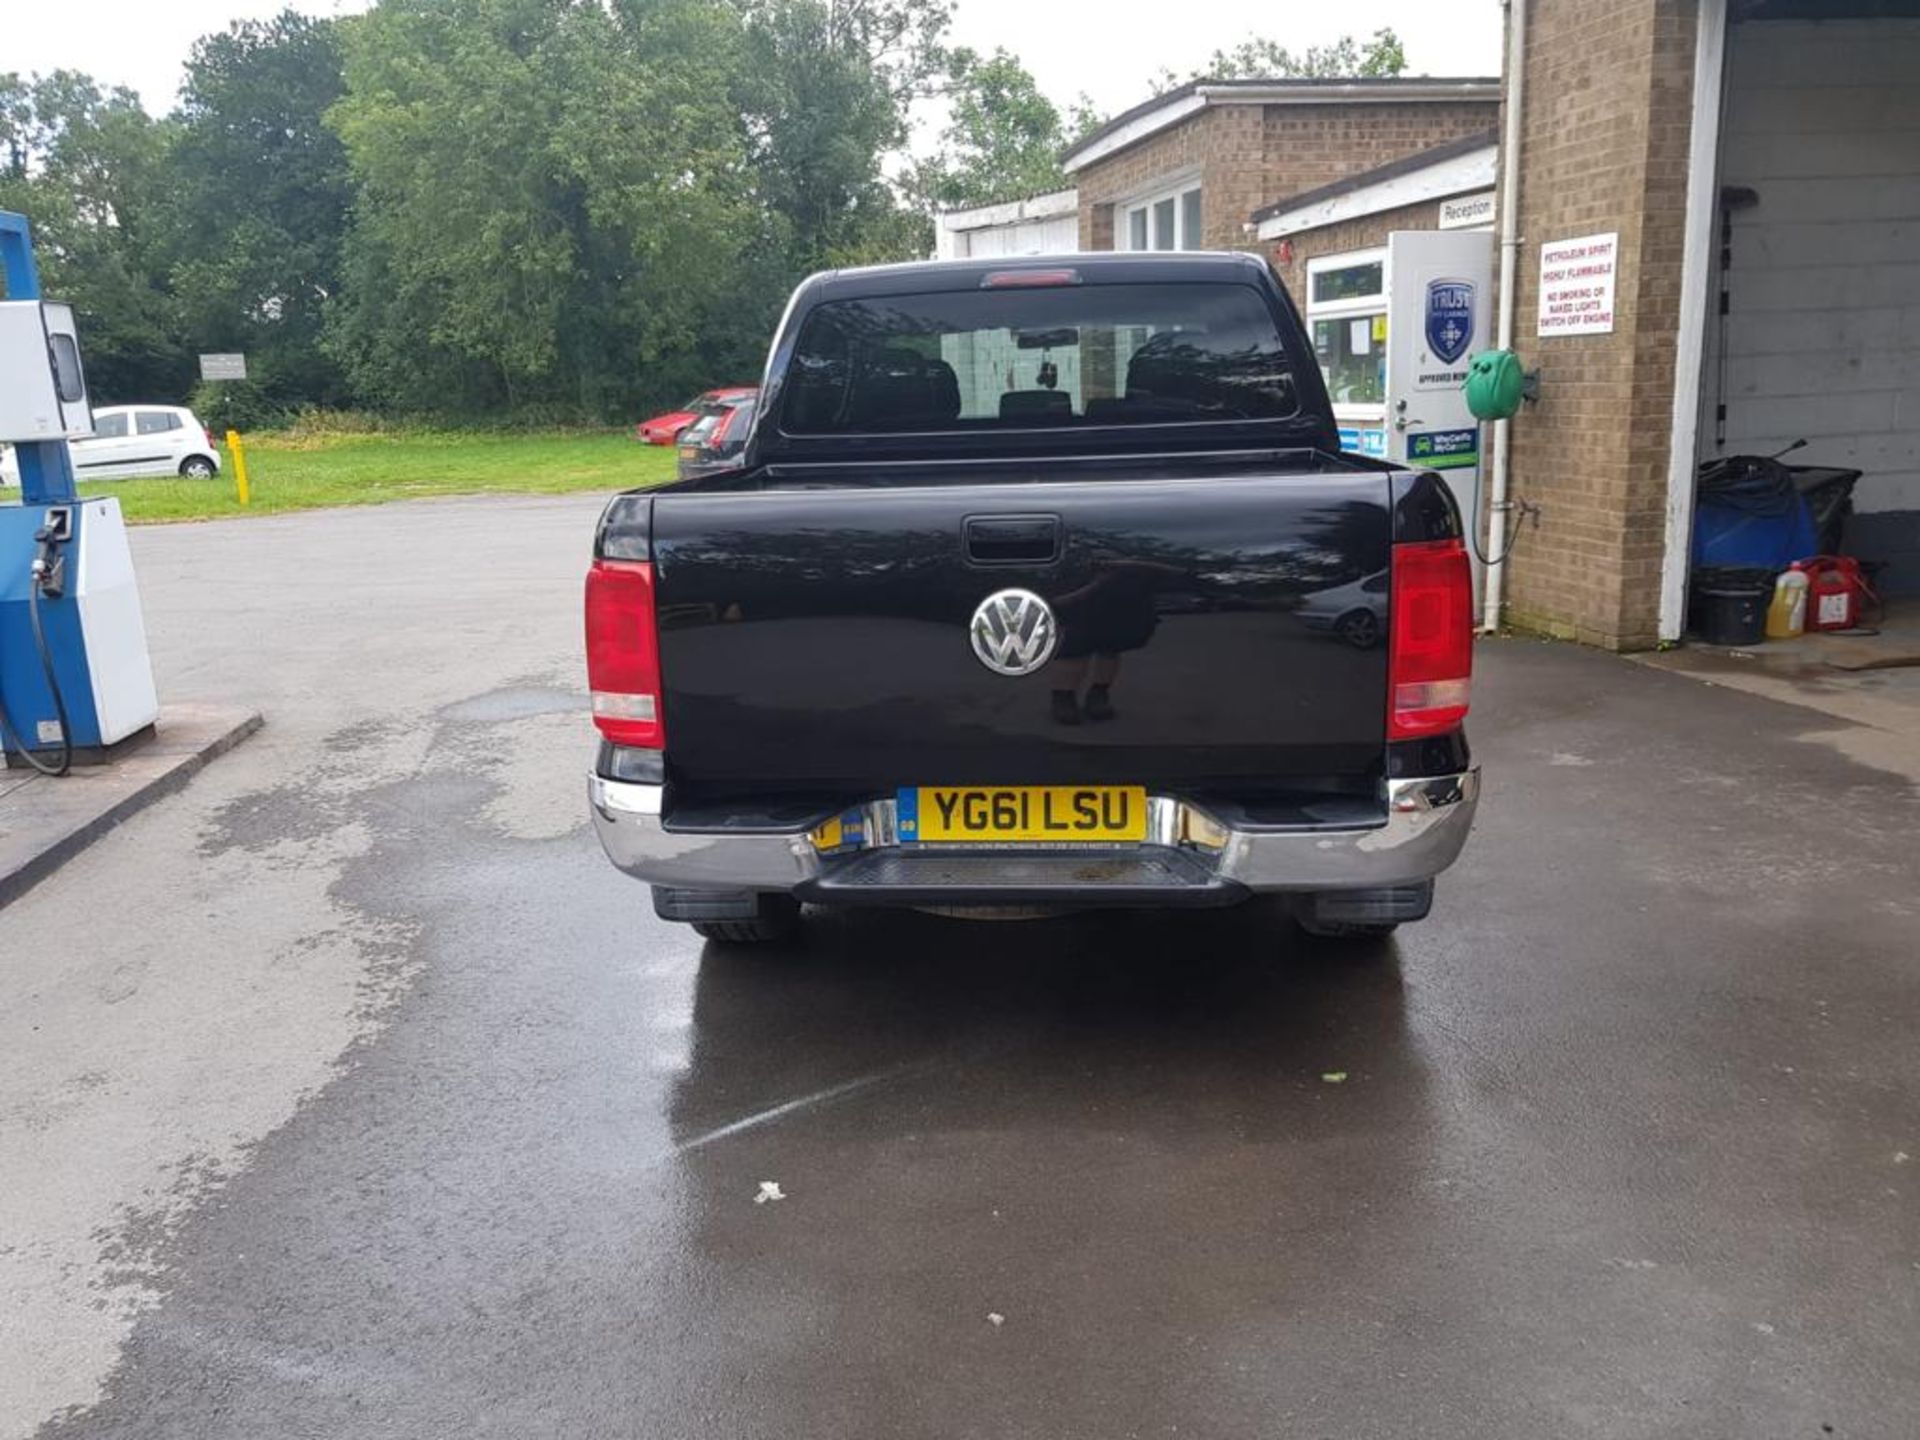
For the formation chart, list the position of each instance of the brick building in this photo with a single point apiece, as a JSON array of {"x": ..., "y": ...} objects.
[
  {"x": 1759, "y": 163},
  {"x": 1448, "y": 186},
  {"x": 1184, "y": 170},
  {"x": 1751, "y": 171}
]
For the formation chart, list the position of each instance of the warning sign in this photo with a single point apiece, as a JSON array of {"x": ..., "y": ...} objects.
[{"x": 1576, "y": 285}]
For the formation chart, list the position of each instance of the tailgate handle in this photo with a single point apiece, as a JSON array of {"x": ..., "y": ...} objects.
[{"x": 1013, "y": 539}]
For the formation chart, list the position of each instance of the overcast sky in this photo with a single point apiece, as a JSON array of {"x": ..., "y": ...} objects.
[{"x": 1108, "y": 48}]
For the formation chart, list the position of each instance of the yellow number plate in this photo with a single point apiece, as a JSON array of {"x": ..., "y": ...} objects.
[{"x": 1087, "y": 814}]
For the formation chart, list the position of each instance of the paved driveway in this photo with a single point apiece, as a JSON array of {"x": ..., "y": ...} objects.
[{"x": 349, "y": 1093}]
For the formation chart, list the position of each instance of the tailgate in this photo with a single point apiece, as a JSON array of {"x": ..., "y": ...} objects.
[{"x": 820, "y": 641}]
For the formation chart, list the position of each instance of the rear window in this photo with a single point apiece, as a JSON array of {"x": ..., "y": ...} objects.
[
  {"x": 700, "y": 429},
  {"x": 155, "y": 422},
  {"x": 1068, "y": 356},
  {"x": 734, "y": 431}
]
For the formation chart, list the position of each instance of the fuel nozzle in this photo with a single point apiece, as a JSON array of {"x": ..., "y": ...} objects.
[{"x": 49, "y": 567}]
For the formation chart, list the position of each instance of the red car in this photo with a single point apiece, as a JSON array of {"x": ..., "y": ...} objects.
[{"x": 665, "y": 429}]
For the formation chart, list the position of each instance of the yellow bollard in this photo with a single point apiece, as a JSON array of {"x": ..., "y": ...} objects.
[{"x": 239, "y": 453}]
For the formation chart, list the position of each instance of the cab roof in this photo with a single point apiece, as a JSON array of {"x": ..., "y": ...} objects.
[{"x": 1105, "y": 267}]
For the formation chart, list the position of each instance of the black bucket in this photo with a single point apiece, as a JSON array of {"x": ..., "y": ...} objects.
[{"x": 1730, "y": 605}]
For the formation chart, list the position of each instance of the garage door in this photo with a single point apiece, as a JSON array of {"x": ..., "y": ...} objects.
[{"x": 1821, "y": 336}]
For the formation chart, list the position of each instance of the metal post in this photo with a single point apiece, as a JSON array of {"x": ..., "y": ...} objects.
[
  {"x": 16, "y": 255},
  {"x": 46, "y": 469},
  {"x": 239, "y": 453}
]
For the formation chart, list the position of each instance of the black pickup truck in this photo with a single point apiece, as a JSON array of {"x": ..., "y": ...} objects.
[{"x": 1040, "y": 584}]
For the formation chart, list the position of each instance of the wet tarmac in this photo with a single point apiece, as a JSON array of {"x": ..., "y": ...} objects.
[{"x": 1619, "y": 1143}]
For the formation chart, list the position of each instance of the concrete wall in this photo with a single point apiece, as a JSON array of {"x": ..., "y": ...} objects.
[
  {"x": 1247, "y": 156},
  {"x": 1608, "y": 112},
  {"x": 1822, "y": 335}
]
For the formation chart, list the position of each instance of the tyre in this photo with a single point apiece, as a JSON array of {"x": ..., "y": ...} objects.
[
  {"x": 732, "y": 917},
  {"x": 1363, "y": 914},
  {"x": 776, "y": 923},
  {"x": 198, "y": 467},
  {"x": 1345, "y": 929},
  {"x": 1359, "y": 628}
]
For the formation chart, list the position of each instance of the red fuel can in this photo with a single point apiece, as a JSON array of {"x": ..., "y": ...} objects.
[{"x": 1835, "y": 591}]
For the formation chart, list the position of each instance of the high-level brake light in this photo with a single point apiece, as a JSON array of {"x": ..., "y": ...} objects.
[{"x": 1024, "y": 279}]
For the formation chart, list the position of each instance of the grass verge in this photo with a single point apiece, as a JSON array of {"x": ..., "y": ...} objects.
[{"x": 314, "y": 472}]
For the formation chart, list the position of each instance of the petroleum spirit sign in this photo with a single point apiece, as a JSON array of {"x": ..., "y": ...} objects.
[{"x": 1576, "y": 285}]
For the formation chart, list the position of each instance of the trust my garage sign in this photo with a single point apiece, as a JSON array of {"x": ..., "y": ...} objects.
[{"x": 1576, "y": 285}]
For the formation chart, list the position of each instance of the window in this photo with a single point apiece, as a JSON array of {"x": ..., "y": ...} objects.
[
  {"x": 702, "y": 429},
  {"x": 731, "y": 434},
  {"x": 1167, "y": 221},
  {"x": 1347, "y": 315},
  {"x": 109, "y": 427},
  {"x": 1350, "y": 282},
  {"x": 68, "y": 383},
  {"x": 1020, "y": 359},
  {"x": 1353, "y": 356},
  {"x": 155, "y": 422}
]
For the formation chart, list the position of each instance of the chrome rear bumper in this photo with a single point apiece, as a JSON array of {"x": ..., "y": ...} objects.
[{"x": 1425, "y": 826}]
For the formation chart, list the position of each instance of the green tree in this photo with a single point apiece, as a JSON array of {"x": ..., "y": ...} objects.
[
  {"x": 551, "y": 203},
  {"x": 87, "y": 167},
  {"x": 1256, "y": 57},
  {"x": 1083, "y": 118},
  {"x": 260, "y": 197},
  {"x": 824, "y": 89},
  {"x": 1002, "y": 139}
]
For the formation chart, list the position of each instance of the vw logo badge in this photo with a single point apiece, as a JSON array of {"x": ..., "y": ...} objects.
[{"x": 1014, "y": 632}]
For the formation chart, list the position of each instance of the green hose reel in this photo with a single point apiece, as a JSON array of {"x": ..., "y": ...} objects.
[{"x": 1495, "y": 385}]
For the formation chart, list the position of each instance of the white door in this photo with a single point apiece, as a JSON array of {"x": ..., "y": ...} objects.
[
  {"x": 105, "y": 455},
  {"x": 1439, "y": 313},
  {"x": 156, "y": 442}
]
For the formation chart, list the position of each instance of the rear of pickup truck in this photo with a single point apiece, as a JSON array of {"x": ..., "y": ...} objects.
[{"x": 1040, "y": 587}]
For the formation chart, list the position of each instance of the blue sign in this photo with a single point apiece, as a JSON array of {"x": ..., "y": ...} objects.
[
  {"x": 1356, "y": 441},
  {"x": 1449, "y": 319}
]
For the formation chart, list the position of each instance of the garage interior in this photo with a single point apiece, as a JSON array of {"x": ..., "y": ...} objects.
[
  {"x": 1814, "y": 319},
  {"x": 1808, "y": 348}
]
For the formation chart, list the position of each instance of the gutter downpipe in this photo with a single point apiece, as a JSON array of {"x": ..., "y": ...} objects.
[{"x": 1509, "y": 267}]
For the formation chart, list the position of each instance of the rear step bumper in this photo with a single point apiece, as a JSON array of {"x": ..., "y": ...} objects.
[
  {"x": 1148, "y": 875},
  {"x": 1425, "y": 826}
]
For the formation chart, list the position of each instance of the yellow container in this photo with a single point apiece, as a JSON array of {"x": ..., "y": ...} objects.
[{"x": 1787, "y": 613}]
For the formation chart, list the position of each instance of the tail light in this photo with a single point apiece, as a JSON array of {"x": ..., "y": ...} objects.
[
  {"x": 212, "y": 444},
  {"x": 623, "y": 653},
  {"x": 1430, "y": 644}
]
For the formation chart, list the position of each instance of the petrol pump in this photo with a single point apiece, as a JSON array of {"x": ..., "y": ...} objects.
[
  {"x": 1393, "y": 328},
  {"x": 75, "y": 677}
]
